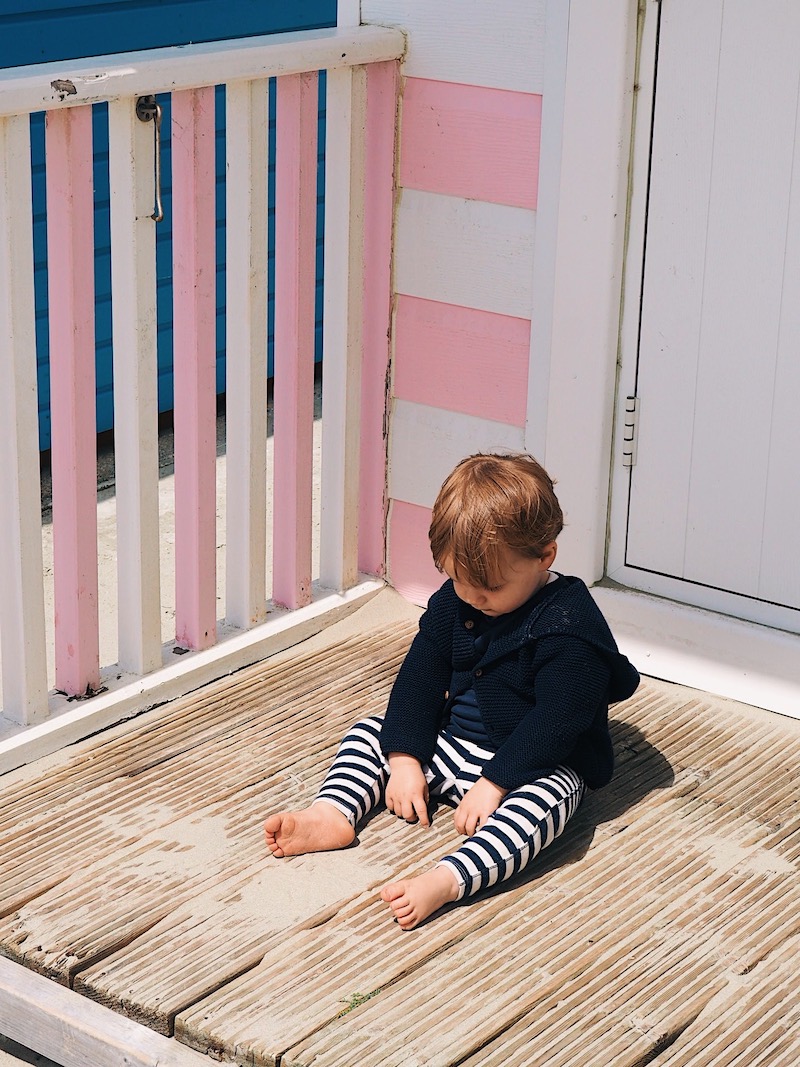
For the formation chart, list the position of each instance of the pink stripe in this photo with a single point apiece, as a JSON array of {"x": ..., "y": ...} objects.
[
  {"x": 411, "y": 569},
  {"x": 465, "y": 140},
  {"x": 295, "y": 260},
  {"x": 382, "y": 88},
  {"x": 194, "y": 313},
  {"x": 70, "y": 258},
  {"x": 461, "y": 359}
]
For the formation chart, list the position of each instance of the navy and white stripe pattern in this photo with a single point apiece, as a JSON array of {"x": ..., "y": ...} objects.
[{"x": 528, "y": 819}]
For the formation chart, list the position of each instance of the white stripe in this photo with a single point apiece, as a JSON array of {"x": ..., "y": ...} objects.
[
  {"x": 22, "y": 607},
  {"x": 133, "y": 307}
]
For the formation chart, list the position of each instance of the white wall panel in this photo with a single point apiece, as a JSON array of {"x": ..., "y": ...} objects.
[
  {"x": 465, "y": 252},
  {"x": 469, "y": 41},
  {"x": 426, "y": 444}
]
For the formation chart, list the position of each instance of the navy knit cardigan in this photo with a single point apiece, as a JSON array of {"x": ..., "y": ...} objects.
[{"x": 543, "y": 685}]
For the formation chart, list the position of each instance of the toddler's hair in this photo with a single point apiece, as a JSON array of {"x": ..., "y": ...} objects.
[{"x": 489, "y": 504}]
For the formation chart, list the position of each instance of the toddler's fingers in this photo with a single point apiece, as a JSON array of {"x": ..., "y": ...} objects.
[{"x": 421, "y": 808}]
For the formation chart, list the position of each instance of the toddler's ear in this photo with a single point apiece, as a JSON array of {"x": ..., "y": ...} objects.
[{"x": 549, "y": 555}]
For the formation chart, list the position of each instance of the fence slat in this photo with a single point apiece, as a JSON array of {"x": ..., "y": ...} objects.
[
  {"x": 382, "y": 88},
  {"x": 295, "y": 262},
  {"x": 70, "y": 262},
  {"x": 246, "y": 118},
  {"x": 22, "y": 626},
  {"x": 343, "y": 325},
  {"x": 133, "y": 276},
  {"x": 194, "y": 314}
]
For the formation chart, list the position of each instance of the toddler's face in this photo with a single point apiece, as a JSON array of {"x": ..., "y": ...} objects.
[{"x": 520, "y": 578}]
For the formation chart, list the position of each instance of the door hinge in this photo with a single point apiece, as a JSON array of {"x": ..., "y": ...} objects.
[{"x": 630, "y": 431}]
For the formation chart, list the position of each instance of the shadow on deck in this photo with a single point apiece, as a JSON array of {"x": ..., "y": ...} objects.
[{"x": 663, "y": 928}]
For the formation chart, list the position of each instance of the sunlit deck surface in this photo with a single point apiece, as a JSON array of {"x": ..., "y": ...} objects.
[{"x": 663, "y": 928}]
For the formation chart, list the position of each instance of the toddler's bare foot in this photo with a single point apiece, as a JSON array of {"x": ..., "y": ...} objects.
[
  {"x": 319, "y": 828},
  {"x": 413, "y": 899}
]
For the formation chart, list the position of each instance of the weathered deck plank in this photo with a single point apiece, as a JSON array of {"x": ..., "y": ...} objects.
[
  {"x": 663, "y": 928},
  {"x": 195, "y": 820}
]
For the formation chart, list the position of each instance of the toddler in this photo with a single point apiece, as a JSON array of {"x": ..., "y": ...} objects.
[{"x": 500, "y": 706}]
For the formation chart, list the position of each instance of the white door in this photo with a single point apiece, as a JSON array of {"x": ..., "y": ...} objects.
[{"x": 709, "y": 512}]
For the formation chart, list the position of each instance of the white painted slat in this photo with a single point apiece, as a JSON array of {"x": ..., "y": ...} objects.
[
  {"x": 194, "y": 363},
  {"x": 246, "y": 117},
  {"x": 343, "y": 326},
  {"x": 426, "y": 443},
  {"x": 27, "y": 89},
  {"x": 22, "y": 627},
  {"x": 472, "y": 42},
  {"x": 133, "y": 280},
  {"x": 465, "y": 252}
]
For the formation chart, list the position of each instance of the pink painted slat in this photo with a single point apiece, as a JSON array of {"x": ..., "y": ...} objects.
[
  {"x": 461, "y": 359},
  {"x": 466, "y": 140},
  {"x": 194, "y": 313},
  {"x": 382, "y": 89},
  {"x": 295, "y": 281},
  {"x": 70, "y": 258},
  {"x": 411, "y": 568}
]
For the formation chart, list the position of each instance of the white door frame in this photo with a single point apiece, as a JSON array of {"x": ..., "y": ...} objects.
[{"x": 584, "y": 322}]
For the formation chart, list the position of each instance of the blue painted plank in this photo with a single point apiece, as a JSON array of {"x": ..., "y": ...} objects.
[
  {"x": 41, "y": 31},
  {"x": 60, "y": 28}
]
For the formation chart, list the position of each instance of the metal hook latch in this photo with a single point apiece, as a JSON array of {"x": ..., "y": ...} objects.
[{"x": 148, "y": 110}]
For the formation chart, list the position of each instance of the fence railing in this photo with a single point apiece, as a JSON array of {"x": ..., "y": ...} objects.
[{"x": 362, "y": 80}]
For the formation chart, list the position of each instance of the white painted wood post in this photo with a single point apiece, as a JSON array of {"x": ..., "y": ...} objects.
[
  {"x": 348, "y": 13},
  {"x": 343, "y": 325},
  {"x": 22, "y": 626},
  {"x": 246, "y": 122},
  {"x": 133, "y": 277},
  {"x": 194, "y": 333}
]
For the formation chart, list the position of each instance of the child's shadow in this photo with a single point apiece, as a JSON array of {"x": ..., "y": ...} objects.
[{"x": 640, "y": 769}]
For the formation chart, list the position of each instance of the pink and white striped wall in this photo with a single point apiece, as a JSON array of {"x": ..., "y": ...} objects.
[{"x": 465, "y": 230}]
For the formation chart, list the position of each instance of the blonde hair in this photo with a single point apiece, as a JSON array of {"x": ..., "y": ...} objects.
[{"x": 488, "y": 505}]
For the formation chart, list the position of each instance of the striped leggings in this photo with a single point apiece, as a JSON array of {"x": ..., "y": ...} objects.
[{"x": 528, "y": 819}]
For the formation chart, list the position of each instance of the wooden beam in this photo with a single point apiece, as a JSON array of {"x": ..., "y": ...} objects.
[
  {"x": 74, "y": 82},
  {"x": 74, "y": 1031}
]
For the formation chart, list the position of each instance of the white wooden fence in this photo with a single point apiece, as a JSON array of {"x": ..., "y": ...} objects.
[{"x": 362, "y": 79}]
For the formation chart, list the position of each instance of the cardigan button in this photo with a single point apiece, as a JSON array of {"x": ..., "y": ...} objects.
[
  {"x": 478, "y": 673},
  {"x": 468, "y": 625}
]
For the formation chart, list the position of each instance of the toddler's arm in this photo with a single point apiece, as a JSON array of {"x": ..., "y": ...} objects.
[{"x": 407, "y": 789}]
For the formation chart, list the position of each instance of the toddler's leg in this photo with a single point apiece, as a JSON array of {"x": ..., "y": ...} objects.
[
  {"x": 529, "y": 819},
  {"x": 354, "y": 784}
]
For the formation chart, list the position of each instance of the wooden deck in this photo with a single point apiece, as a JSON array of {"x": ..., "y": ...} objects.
[{"x": 663, "y": 928}]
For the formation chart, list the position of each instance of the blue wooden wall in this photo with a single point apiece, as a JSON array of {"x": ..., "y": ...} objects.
[{"x": 33, "y": 31}]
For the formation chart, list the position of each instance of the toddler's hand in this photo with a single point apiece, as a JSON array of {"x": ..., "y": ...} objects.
[
  {"x": 407, "y": 790},
  {"x": 479, "y": 802}
]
